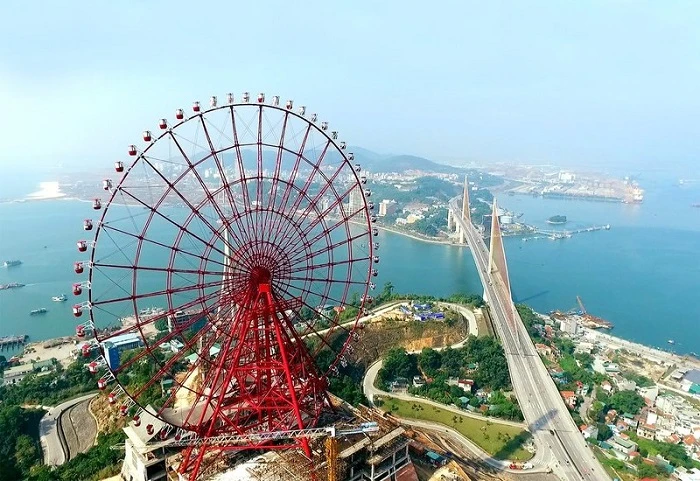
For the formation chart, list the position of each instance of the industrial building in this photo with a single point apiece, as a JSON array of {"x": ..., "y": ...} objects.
[{"x": 116, "y": 345}]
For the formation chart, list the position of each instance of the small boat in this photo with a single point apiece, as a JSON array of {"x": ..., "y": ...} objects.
[
  {"x": 60, "y": 298},
  {"x": 11, "y": 285},
  {"x": 42, "y": 310},
  {"x": 671, "y": 341},
  {"x": 11, "y": 263}
]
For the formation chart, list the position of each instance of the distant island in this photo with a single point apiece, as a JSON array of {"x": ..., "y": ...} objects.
[{"x": 557, "y": 220}]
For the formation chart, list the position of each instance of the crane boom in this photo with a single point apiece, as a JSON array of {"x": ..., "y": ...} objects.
[
  {"x": 263, "y": 437},
  {"x": 580, "y": 305}
]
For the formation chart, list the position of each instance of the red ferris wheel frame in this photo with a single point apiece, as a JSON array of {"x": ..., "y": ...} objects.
[{"x": 280, "y": 233}]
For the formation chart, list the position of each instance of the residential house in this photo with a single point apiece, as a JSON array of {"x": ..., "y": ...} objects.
[
  {"x": 606, "y": 386},
  {"x": 466, "y": 384},
  {"x": 581, "y": 388},
  {"x": 543, "y": 350},
  {"x": 646, "y": 431},
  {"x": 569, "y": 398},
  {"x": 418, "y": 381},
  {"x": 590, "y": 431},
  {"x": 623, "y": 444}
]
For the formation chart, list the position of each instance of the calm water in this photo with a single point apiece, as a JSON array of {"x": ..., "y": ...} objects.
[{"x": 643, "y": 274}]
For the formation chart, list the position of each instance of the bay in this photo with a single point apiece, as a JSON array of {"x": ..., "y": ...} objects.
[{"x": 643, "y": 274}]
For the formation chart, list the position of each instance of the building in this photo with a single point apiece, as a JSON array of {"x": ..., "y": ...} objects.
[
  {"x": 589, "y": 431},
  {"x": 356, "y": 201},
  {"x": 623, "y": 445},
  {"x": 141, "y": 461},
  {"x": 543, "y": 350},
  {"x": 13, "y": 375},
  {"x": 116, "y": 345},
  {"x": 387, "y": 207},
  {"x": 569, "y": 398},
  {"x": 569, "y": 326},
  {"x": 466, "y": 384}
]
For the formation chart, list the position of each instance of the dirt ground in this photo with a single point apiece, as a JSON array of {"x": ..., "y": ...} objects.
[
  {"x": 393, "y": 331},
  {"x": 59, "y": 348}
]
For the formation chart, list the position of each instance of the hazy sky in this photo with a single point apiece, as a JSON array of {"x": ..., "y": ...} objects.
[{"x": 607, "y": 82}]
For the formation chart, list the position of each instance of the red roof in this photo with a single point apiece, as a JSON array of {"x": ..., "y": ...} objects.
[{"x": 567, "y": 394}]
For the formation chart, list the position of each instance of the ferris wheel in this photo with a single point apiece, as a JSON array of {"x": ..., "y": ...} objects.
[{"x": 235, "y": 254}]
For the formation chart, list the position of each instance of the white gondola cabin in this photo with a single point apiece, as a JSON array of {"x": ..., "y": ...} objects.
[{"x": 87, "y": 224}]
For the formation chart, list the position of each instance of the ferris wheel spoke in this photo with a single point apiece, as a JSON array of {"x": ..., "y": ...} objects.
[
  {"x": 225, "y": 182},
  {"x": 336, "y": 203},
  {"x": 193, "y": 367},
  {"x": 165, "y": 292},
  {"x": 158, "y": 269},
  {"x": 205, "y": 190},
  {"x": 291, "y": 187},
  {"x": 189, "y": 343},
  {"x": 241, "y": 168},
  {"x": 162, "y": 245},
  {"x": 328, "y": 264},
  {"x": 294, "y": 255},
  {"x": 180, "y": 328},
  {"x": 333, "y": 323}
]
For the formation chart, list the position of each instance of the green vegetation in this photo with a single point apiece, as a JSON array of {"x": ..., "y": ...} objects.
[
  {"x": 640, "y": 380},
  {"x": 626, "y": 402},
  {"x": 50, "y": 388},
  {"x": 557, "y": 219},
  {"x": 19, "y": 446},
  {"x": 502, "y": 442},
  {"x": 488, "y": 370},
  {"x": 674, "y": 453},
  {"x": 97, "y": 463}
]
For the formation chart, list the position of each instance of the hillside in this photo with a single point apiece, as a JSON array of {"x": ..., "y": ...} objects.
[{"x": 400, "y": 163}]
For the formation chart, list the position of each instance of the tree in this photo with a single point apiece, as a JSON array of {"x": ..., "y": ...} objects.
[
  {"x": 429, "y": 361},
  {"x": 627, "y": 402},
  {"x": 387, "y": 291},
  {"x": 26, "y": 453},
  {"x": 397, "y": 364},
  {"x": 604, "y": 432}
]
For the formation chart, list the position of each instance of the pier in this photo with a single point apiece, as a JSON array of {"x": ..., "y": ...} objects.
[
  {"x": 11, "y": 342},
  {"x": 562, "y": 234}
]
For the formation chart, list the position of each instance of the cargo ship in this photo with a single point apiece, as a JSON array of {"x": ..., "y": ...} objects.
[
  {"x": 11, "y": 263},
  {"x": 42, "y": 310},
  {"x": 11, "y": 285}
]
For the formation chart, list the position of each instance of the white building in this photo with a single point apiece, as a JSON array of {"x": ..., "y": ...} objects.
[
  {"x": 569, "y": 326},
  {"x": 141, "y": 461},
  {"x": 13, "y": 375}
]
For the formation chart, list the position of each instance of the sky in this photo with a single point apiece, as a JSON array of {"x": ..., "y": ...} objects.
[{"x": 601, "y": 83}]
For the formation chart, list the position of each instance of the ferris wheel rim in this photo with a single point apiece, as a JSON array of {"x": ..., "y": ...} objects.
[{"x": 201, "y": 116}]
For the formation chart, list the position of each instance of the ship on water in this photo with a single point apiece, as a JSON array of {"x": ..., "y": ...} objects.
[
  {"x": 60, "y": 298},
  {"x": 11, "y": 285},
  {"x": 42, "y": 310},
  {"x": 11, "y": 263}
]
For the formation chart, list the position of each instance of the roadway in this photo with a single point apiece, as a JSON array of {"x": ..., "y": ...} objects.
[
  {"x": 547, "y": 416},
  {"x": 50, "y": 434}
]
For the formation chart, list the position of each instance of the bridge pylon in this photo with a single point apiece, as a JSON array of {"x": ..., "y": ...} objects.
[
  {"x": 497, "y": 253},
  {"x": 466, "y": 210}
]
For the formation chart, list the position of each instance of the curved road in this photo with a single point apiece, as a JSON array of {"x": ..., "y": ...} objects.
[{"x": 54, "y": 451}]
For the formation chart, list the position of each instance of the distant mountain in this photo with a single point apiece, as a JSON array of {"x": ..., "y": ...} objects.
[{"x": 375, "y": 162}]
